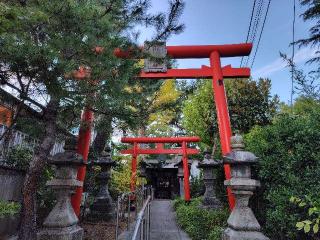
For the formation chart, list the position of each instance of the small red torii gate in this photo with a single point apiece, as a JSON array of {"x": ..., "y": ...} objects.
[
  {"x": 216, "y": 72},
  {"x": 160, "y": 149}
]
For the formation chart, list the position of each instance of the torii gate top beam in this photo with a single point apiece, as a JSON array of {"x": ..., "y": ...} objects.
[{"x": 200, "y": 51}]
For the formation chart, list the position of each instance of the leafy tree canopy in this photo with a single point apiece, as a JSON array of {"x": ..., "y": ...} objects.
[{"x": 250, "y": 103}]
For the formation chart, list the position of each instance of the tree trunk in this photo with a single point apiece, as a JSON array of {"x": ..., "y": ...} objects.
[
  {"x": 103, "y": 134},
  {"x": 28, "y": 227}
]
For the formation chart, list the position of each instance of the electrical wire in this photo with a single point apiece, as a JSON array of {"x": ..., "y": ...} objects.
[
  {"x": 255, "y": 26},
  {"x": 257, "y": 20},
  {"x": 251, "y": 18},
  {"x": 261, "y": 32}
]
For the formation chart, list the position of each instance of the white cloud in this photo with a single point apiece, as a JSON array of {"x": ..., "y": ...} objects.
[{"x": 301, "y": 55}]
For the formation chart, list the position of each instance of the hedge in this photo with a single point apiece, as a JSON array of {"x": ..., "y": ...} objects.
[
  {"x": 199, "y": 223},
  {"x": 289, "y": 166}
]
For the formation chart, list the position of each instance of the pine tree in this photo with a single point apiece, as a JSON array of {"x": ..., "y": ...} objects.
[
  {"x": 43, "y": 42},
  {"x": 312, "y": 13}
]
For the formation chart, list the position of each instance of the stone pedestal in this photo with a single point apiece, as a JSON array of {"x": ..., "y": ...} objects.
[
  {"x": 61, "y": 223},
  {"x": 103, "y": 208},
  {"x": 242, "y": 224},
  {"x": 209, "y": 167}
]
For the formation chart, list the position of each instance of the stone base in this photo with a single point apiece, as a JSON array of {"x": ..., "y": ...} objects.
[
  {"x": 102, "y": 210},
  {"x": 230, "y": 234},
  {"x": 67, "y": 233},
  {"x": 100, "y": 216}
]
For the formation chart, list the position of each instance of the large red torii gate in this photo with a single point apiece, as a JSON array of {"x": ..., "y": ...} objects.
[
  {"x": 216, "y": 72},
  {"x": 160, "y": 149}
]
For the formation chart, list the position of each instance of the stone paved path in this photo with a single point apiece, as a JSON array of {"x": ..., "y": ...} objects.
[{"x": 163, "y": 222}]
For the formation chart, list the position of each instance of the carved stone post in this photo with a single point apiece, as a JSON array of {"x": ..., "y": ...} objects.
[
  {"x": 180, "y": 177},
  {"x": 242, "y": 224},
  {"x": 103, "y": 208},
  {"x": 61, "y": 223},
  {"x": 210, "y": 167}
]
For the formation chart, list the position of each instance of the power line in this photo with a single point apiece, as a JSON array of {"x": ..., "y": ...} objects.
[
  {"x": 255, "y": 26},
  {"x": 251, "y": 18},
  {"x": 261, "y": 32},
  {"x": 257, "y": 20},
  {"x": 293, "y": 50}
]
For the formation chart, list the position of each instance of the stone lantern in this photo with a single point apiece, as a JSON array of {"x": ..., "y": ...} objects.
[
  {"x": 242, "y": 224},
  {"x": 61, "y": 223},
  {"x": 210, "y": 168},
  {"x": 103, "y": 207}
]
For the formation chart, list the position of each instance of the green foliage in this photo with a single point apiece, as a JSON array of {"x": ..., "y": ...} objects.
[
  {"x": 249, "y": 101},
  {"x": 311, "y": 209},
  {"x": 121, "y": 176},
  {"x": 197, "y": 187},
  {"x": 19, "y": 157},
  {"x": 9, "y": 208},
  {"x": 166, "y": 108},
  {"x": 312, "y": 13},
  {"x": 45, "y": 196},
  {"x": 199, "y": 223},
  {"x": 302, "y": 106},
  {"x": 289, "y": 165}
]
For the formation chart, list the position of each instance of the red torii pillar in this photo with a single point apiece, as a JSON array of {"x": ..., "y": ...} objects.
[
  {"x": 160, "y": 141},
  {"x": 84, "y": 138},
  {"x": 217, "y": 73}
]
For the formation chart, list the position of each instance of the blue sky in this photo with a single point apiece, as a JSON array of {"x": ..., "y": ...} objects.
[{"x": 227, "y": 21}]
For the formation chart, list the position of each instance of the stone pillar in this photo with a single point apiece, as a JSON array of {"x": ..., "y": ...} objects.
[
  {"x": 61, "y": 223},
  {"x": 180, "y": 177},
  {"x": 103, "y": 208},
  {"x": 181, "y": 187},
  {"x": 210, "y": 167},
  {"x": 242, "y": 224}
]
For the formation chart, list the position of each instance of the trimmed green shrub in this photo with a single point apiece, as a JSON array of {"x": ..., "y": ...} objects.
[
  {"x": 289, "y": 165},
  {"x": 9, "y": 208},
  {"x": 199, "y": 223}
]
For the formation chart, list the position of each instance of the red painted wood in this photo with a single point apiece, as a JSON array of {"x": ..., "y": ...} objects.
[
  {"x": 203, "y": 72},
  {"x": 185, "y": 172},
  {"x": 204, "y": 51},
  {"x": 134, "y": 167},
  {"x": 155, "y": 151},
  {"x": 198, "y": 51},
  {"x": 222, "y": 115},
  {"x": 83, "y": 149},
  {"x": 159, "y": 139}
]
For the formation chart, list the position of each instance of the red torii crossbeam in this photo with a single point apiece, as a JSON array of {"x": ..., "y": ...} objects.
[
  {"x": 203, "y": 72},
  {"x": 216, "y": 72},
  {"x": 160, "y": 149}
]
